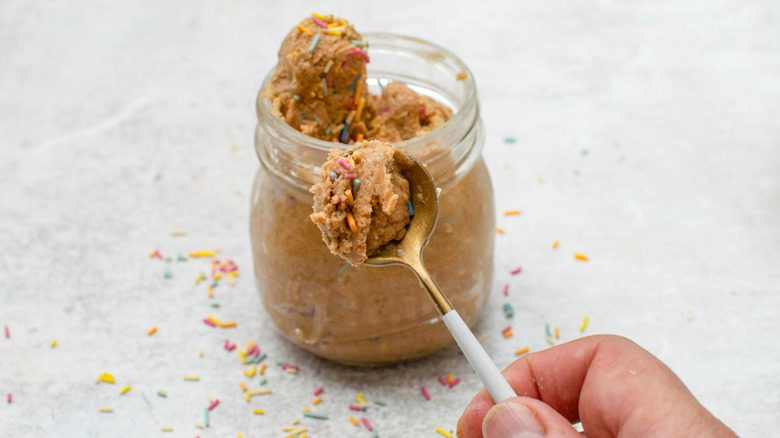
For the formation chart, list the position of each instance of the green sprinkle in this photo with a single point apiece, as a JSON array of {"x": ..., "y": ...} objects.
[
  {"x": 168, "y": 260},
  {"x": 380, "y": 402},
  {"x": 215, "y": 305},
  {"x": 167, "y": 273},
  {"x": 584, "y": 152},
  {"x": 181, "y": 258},
  {"x": 263, "y": 382},
  {"x": 296, "y": 97},
  {"x": 375, "y": 433},
  {"x": 355, "y": 186},
  {"x": 162, "y": 394},
  {"x": 547, "y": 330},
  {"x": 357, "y": 43},
  {"x": 508, "y": 310},
  {"x": 328, "y": 129},
  {"x": 157, "y": 176},
  {"x": 315, "y": 415},
  {"x": 314, "y": 42},
  {"x": 509, "y": 139},
  {"x": 206, "y": 417},
  {"x": 214, "y": 284},
  {"x": 319, "y": 120}
]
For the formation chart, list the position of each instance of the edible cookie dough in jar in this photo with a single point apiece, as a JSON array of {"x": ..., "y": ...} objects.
[{"x": 367, "y": 315}]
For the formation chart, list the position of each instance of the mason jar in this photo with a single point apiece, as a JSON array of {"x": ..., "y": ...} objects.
[{"x": 375, "y": 315}]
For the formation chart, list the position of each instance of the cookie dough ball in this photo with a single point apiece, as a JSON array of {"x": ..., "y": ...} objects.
[
  {"x": 400, "y": 114},
  {"x": 320, "y": 79},
  {"x": 361, "y": 201}
]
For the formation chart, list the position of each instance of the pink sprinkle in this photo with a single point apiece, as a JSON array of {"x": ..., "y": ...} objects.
[
  {"x": 319, "y": 22},
  {"x": 350, "y": 175},
  {"x": 213, "y": 404},
  {"x": 254, "y": 350},
  {"x": 425, "y": 393},
  {"x": 422, "y": 111},
  {"x": 516, "y": 270},
  {"x": 10, "y": 398},
  {"x": 229, "y": 346},
  {"x": 286, "y": 366},
  {"x": 506, "y": 290},
  {"x": 7, "y": 332},
  {"x": 327, "y": 80},
  {"x": 359, "y": 52},
  {"x": 209, "y": 322},
  {"x": 318, "y": 391},
  {"x": 356, "y": 407},
  {"x": 508, "y": 328},
  {"x": 455, "y": 382},
  {"x": 367, "y": 424},
  {"x": 442, "y": 380},
  {"x": 344, "y": 164},
  {"x": 382, "y": 111}
]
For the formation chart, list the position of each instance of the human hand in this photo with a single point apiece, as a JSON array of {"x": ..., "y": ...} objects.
[{"x": 609, "y": 383}]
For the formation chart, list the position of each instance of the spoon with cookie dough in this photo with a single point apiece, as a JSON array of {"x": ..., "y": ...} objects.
[{"x": 378, "y": 206}]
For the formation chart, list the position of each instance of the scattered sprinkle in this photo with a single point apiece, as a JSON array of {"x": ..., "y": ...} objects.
[
  {"x": 316, "y": 401},
  {"x": 350, "y": 175},
  {"x": 584, "y": 324},
  {"x": 523, "y": 350},
  {"x": 152, "y": 331},
  {"x": 499, "y": 230},
  {"x": 506, "y": 290},
  {"x": 166, "y": 429},
  {"x": 318, "y": 391},
  {"x": 10, "y": 398},
  {"x": 356, "y": 408},
  {"x": 555, "y": 244},
  {"x": 206, "y": 419},
  {"x": 454, "y": 382},
  {"x": 509, "y": 311},
  {"x": 106, "y": 409},
  {"x": 580, "y": 256},
  {"x": 258, "y": 412},
  {"x": 359, "y": 52},
  {"x": 547, "y": 330},
  {"x": 360, "y": 398},
  {"x": 366, "y": 423},
  {"x": 380, "y": 402},
  {"x": 333, "y": 175},
  {"x": 511, "y": 212},
  {"x": 325, "y": 87},
  {"x": 356, "y": 43},
  {"x": 557, "y": 333},
  {"x": 162, "y": 394},
  {"x": 443, "y": 432},
  {"x": 167, "y": 273},
  {"x": 425, "y": 393},
  {"x": 191, "y": 378},
  {"x": 509, "y": 139},
  {"x": 315, "y": 415},
  {"x": 353, "y": 421},
  {"x": 178, "y": 233},
  {"x": 314, "y": 42},
  {"x": 516, "y": 271},
  {"x": 319, "y": 23},
  {"x": 7, "y": 333},
  {"x": 106, "y": 377},
  {"x": 328, "y": 66},
  {"x": 303, "y": 29},
  {"x": 508, "y": 334},
  {"x": 344, "y": 133},
  {"x": 53, "y": 343},
  {"x": 411, "y": 210},
  {"x": 506, "y": 329},
  {"x": 124, "y": 390},
  {"x": 213, "y": 405},
  {"x": 202, "y": 253},
  {"x": 345, "y": 164},
  {"x": 209, "y": 322},
  {"x": 550, "y": 340},
  {"x": 351, "y": 222}
]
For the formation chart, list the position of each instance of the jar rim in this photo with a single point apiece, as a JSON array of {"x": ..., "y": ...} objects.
[{"x": 266, "y": 114}]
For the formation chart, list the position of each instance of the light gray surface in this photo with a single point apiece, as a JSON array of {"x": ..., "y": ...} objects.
[{"x": 654, "y": 128}]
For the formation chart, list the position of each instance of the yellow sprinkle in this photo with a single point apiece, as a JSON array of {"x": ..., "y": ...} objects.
[
  {"x": 251, "y": 372},
  {"x": 247, "y": 397},
  {"x": 334, "y": 24},
  {"x": 316, "y": 401},
  {"x": 203, "y": 253},
  {"x": 210, "y": 291},
  {"x": 232, "y": 274},
  {"x": 106, "y": 377},
  {"x": 233, "y": 147},
  {"x": 200, "y": 352},
  {"x": 125, "y": 389},
  {"x": 228, "y": 324},
  {"x": 299, "y": 430},
  {"x": 555, "y": 244},
  {"x": 262, "y": 369},
  {"x": 106, "y": 409},
  {"x": 557, "y": 333},
  {"x": 523, "y": 350},
  {"x": 243, "y": 386},
  {"x": 53, "y": 343},
  {"x": 177, "y": 233},
  {"x": 295, "y": 421},
  {"x": 508, "y": 334},
  {"x": 360, "y": 398},
  {"x": 152, "y": 331},
  {"x": 584, "y": 324},
  {"x": 240, "y": 436},
  {"x": 209, "y": 397},
  {"x": 217, "y": 276},
  {"x": 334, "y": 32},
  {"x": 353, "y": 421},
  {"x": 191, "y": 378},
  {"x": 359, "y": 111},
  {"x": 242, "y": 355},
  {"x": 249, "y": 394},
  {"x": 305, "y": 409},
  {"x": 199, "y": 425},
  {"x": 320, "y": 16},
  {"x": 539, "y": 176},
  {"x": 499, "y": 230},
  {"x": 511, "y": 212},
  {"x": 288, "y": 428},
  {"x": 550, "y": 340},
  {"x": 166, "y": 429},
  {"x": 292, "y": 370},
  {"x": 237, "y": 191},
  {"x": 374, "y": 120},
  {"x": 200, "y": 278},
  {"x": 303, "y": 29},
  {"x": 449, "y": 378},
  {"x": 580, "y": 256},
  {"x": 443, "y": 432},
  {"x": 259, "y": 412}
]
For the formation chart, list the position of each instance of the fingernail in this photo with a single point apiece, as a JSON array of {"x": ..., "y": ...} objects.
[{"x": 511, "y": 420}]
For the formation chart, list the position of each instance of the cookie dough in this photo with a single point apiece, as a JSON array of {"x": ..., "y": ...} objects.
[
  {"x": 361, "y": 200},
  {"x": 319, "y": 88}
]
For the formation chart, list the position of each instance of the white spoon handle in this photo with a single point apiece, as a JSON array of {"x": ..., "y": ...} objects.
[{"x": 486, "y": 369}]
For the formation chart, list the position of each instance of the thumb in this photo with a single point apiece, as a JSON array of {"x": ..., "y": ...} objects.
[{"x": 523, "y": 417}]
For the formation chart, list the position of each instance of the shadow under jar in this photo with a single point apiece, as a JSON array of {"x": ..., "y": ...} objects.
[{"x": 367, "y": 315}]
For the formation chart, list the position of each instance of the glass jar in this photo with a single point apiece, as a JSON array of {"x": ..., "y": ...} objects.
[{"x": 375, "y": 315}]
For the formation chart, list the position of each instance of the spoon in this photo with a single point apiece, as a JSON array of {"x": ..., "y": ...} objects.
[{"x": 408, "y": 252}]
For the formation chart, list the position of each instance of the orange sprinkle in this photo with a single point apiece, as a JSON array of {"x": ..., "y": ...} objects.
[
  {"x": 580, "y": 256},
  {"x": 350, "y": 199},
  {"x": 449, "y": 378},
  {"x": 243, "y": 387},
  {"x": 557, "y": 333},
  {"x": 508, "y": 334},
  {"x": 359, "y": 137},
  {"x": 317, "y": 401},
  {"x": 351, "y": 222},
  {"x": 555, "y": 244},
  {"x": 152, "y": 331},
  {"x": 262, "y": 369},
  {"x": 511, "y": 212},
  {"x": 210, "y": 291},
  {"x": 523, "y": 350},
  {"x": 353, "y": 421},
  {"x": 303, "y": 29},
  {"x": 499, "y": 230},
  {"x": 228, "y": 324},
  {"x": 358, "y": 92}
]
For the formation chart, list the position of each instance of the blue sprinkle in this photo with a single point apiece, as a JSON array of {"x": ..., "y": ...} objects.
[
  {"x": 354, "y": 84},
  {"x": 509, "y": 311},
  {"x": 314, "y": 42},
  {"x": 344, "y": 133},
  {"x": 333, "y": 175},
  {"x": 206, "y": 417},
  {"x": 509, "y": 139},
  {"x": 411, "y": 210}
]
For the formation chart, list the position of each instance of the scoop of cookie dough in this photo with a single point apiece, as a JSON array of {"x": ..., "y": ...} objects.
[
  {"x": 361, "y": 200},
  {"x": 401, "y": 113},
  {"x": 319, "y": 81}
]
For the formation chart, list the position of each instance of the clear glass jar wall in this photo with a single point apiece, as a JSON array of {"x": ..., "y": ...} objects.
[{"x": 368, "y": 315}]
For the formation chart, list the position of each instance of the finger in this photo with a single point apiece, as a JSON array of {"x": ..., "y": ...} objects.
[{"x": 528, "y": 418}]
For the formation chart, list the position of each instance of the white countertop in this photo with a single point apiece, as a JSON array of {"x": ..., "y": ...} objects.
[{"x": 647, "y": 137}]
